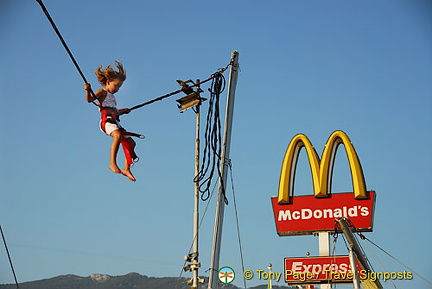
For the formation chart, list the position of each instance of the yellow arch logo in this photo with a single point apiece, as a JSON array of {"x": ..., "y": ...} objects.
[{"x": 321, "y": 170}]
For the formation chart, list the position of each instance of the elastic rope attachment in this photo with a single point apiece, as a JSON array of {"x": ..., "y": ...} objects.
[{"x": 48, "y": 16}]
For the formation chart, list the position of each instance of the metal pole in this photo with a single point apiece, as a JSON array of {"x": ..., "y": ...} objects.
[
  {"x": 353, "y": 243},
  {"x": 270, "y": 284},
  {"x": 324, "y": 250},
  {"x": 220, "y": 206},
  {"x": 195, "y": 264},
  {"x": 355, "y": 247},
  {"x": 356, "y": 280}
]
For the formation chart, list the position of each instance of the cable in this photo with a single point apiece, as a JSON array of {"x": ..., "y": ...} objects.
[
  {"x": 378, "y": 261},
  {"x": 48, "y": 16},
  {"x": 394, "y": 258},
  {"x": 9, "y": 257},
  {"x": 237, "y": 219},
  {"x": 362, "y": 250},
  {"x": 221, "y": 70},
  {"x": 363, "y": 237},
  {"x": 201, "y": 221}
]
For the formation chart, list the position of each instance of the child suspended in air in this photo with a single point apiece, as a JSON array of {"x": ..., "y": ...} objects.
[{"x": 111, "y": 81}]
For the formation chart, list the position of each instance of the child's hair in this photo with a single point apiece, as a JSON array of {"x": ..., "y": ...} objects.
[{"x": 108, "y": 73}]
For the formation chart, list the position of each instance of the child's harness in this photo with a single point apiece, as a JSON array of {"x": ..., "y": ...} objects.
[{"x": 110, "y": 115}]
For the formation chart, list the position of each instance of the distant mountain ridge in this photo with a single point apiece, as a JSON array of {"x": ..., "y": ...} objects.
[{"x": 128, "y": 281}]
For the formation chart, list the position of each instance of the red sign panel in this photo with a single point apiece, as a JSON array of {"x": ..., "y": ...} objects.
[
  {"x": 315, "y": 270},
  {"x": 308, "y": 214}
]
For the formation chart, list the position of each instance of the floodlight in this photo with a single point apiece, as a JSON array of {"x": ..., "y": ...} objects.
[
  {"x": 189, "y": 101},
  {"x": 192, "y": 97}
]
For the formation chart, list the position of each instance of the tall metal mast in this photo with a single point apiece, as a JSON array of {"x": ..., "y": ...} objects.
[
  {"x": 220, "y": 206},
  {"x": 356, "y": 252},
  {"x": 195, "y": 265},
  {"x": 193, "y": 100}
]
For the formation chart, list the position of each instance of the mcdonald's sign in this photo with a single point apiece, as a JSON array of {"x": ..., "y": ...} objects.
[{"x": 302, "y": 215}]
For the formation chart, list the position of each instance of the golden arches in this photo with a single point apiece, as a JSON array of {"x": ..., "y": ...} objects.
[{"x": 321, "y": 170}]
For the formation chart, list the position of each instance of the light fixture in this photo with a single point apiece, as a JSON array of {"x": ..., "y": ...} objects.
[{"x": 192, "y": 97}]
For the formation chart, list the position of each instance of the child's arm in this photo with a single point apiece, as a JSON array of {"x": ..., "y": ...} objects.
[
  {"x": 100, "y": 94},
  {"x": 124, "y": 111}
]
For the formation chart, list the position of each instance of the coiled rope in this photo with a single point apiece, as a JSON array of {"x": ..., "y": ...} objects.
[{"x": 213, "y": 141}]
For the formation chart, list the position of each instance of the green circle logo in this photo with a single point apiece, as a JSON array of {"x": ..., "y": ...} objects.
[{"x": 226, "y": 275}]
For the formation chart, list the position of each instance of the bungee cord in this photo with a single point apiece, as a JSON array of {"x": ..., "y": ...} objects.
[
  {"x": 48, "y": 16},
  {"x": 214, "y": 75}
]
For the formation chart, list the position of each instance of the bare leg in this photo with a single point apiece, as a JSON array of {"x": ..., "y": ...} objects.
[
  {"x": 126, "y": 170},
  {"x": 114, "y": 150}
]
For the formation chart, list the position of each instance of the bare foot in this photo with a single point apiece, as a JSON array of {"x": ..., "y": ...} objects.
[
  {"x": 114, "y": 168},
  {"x": 128, "y": 174}
]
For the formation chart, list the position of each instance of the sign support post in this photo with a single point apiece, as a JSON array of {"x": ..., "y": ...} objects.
[{"x": 324, "y": 250}]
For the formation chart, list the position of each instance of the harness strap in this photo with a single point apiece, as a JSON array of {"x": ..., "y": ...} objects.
[
  {"x": 131, "y": 156},
  {"x": 110, "y": 115}
]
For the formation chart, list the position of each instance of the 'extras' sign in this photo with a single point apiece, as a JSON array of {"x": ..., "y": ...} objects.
[{"x": 302, "y": 215}]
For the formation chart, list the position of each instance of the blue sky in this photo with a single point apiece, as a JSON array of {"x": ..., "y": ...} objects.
[{"x": 310, "y": 67}]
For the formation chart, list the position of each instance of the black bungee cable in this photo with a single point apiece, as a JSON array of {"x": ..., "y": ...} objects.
[{"x": 48, "y": 16}]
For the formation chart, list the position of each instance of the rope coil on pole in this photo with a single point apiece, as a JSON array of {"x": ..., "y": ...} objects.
[{"x": 212, "y": 149}]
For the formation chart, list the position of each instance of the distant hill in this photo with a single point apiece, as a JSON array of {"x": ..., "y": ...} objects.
[{"x": 129, "y": 281}]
